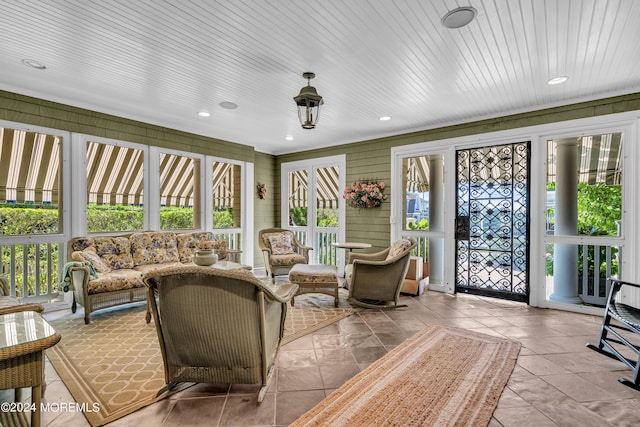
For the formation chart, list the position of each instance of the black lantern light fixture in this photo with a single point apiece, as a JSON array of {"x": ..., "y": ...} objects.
[{"x": 308, "y": 102}]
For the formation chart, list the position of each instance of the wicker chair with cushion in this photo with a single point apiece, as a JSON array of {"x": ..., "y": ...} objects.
[
  {"x": 217, "y": 326},
  {"x": 281, "y": 250},
  {"x": 375, "y": 279}
]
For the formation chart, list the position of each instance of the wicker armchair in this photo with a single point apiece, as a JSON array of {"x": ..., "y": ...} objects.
[
  {"x": 217, "y": 326},
  {"x": 281, "y": 250},
  {"x": 376, "y": 278}
]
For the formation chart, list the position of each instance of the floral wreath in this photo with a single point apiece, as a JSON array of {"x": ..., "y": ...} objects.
[{"x": 365, "y": 193}]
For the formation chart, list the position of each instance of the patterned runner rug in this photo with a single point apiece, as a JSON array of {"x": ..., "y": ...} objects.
[
  {"x": 442, "y": 376},
  {"x": 116, "y": 362}
]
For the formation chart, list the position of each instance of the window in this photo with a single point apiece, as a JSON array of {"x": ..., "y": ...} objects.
[
  {"x": 595, "y": 191},
  {"x": 416, "y": 190},
  {"x": 29, "y": 183},
  {"x": 226, "y": 195},
  {"x": 584, "y": 208},
  {"x": 115, "y": 179},
  {"x": 179, "y": 192},
  {"x": 30, "y": 204}
]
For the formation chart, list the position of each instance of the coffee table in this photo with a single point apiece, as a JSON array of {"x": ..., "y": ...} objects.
[
  {"x": 23, "y": 338},
  {"x": 230, "y": 265}
]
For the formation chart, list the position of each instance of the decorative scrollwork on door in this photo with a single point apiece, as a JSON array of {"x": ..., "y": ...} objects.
[{"x": 492, "y": 221}]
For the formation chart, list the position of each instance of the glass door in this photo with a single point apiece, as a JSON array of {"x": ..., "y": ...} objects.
[
  {"x": 312, "y": 206},
  {"x": 492, "y": 221},
  {"x": 424, "y": 215}
]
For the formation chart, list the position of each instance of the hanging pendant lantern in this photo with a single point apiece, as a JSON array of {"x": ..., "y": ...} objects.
[{"x": 308, "y": 102}]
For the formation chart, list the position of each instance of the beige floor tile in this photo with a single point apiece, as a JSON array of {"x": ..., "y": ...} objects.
[
  {"x": 299, "y": 379},
  {"x": 578, "y": 389},
  {"x": 540, "y": 365},
  {"x": 333, "y": 376},
  {"x": 620, "y": 413},
  {"x": 571, "y": 413},
  {"x": 522, "y": 417},
  {"x": 290, "y": 405},
  {"x": 244, "y": 411}
]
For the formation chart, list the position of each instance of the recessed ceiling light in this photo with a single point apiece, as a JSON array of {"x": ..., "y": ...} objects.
[
  {"x": 288, "y": 138},
  {"x": 34, "y": 64},
  {"x": 228, "y": 105},
  {"x": 204, "y": 114},
  {"x": 458, "y": 18},
  {"x": 557, "y": 80},
  {"x": 385, "y": 118}
]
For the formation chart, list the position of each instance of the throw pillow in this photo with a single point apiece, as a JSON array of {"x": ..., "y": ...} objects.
[
  {"x": 220, "y": 246},
  {"x": 92, "y": 257},
  {"x": 398, "y": 247},
  {"x": 281, "y": 244}
]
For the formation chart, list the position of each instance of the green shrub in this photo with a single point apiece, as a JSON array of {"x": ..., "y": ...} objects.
[
  {"x": 104, "y": 218},
  {"x": 223, "y": 218},
  {"x": 327, "y": 218},
  {"x": 174, "y": 218},
  {"x": 19, "y": 219}
]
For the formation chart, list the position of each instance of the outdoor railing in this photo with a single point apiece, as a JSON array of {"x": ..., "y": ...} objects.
[
  {"x": 232, "y": 238},
  {"x": 422, "y": 246},
  {"x": 33, "y": 269},
  {"x": 325, "y": 252},
  {"x": 596, "y": 264}
]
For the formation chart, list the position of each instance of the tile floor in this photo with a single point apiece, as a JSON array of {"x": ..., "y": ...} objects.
[{"x": 557, "y": 380}]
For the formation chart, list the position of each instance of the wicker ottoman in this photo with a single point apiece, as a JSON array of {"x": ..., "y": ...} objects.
[{"x": 321, "y": 279}]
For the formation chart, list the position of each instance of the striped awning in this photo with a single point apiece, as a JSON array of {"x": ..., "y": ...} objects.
[
  {"x": 327, "y": 191},
  {"x": 600, "y": 159},
  {"x": 29, "y": 167},
  {"x": 417, "y": 174},
  {"x": 114, "y": 174},
  {"x": 177, "y": 178}
]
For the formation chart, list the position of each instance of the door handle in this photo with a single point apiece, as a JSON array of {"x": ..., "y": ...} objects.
[{"x": 462, "y": 227}]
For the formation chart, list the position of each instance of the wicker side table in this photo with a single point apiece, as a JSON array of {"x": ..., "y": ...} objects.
[{"x": 23, "y": 338}]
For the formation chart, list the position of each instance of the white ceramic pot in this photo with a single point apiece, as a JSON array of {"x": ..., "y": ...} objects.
[{"x": 205, "y": 257}]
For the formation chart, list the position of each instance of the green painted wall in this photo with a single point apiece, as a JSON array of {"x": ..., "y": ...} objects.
[
  {"x": 372, "y": 159},
  {"x": 38, "y": 112},
  {"x": 264, "y": 209}
]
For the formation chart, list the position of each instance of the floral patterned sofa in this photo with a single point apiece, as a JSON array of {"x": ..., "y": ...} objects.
[{"x": 107, "y": 271}]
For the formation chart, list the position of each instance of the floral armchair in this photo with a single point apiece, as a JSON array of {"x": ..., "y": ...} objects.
[{"x": 281, "y": 250}]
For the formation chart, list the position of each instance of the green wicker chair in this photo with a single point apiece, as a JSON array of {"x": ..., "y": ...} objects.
[
  {"x": 374, "y": 280},
  {"x": 217, "y": 326}
]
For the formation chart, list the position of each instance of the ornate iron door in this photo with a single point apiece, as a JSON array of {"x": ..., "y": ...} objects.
[{"x": 492, "y": 221}]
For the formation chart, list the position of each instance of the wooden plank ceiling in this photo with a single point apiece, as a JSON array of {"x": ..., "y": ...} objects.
[{"x": 162, "y": 62}]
